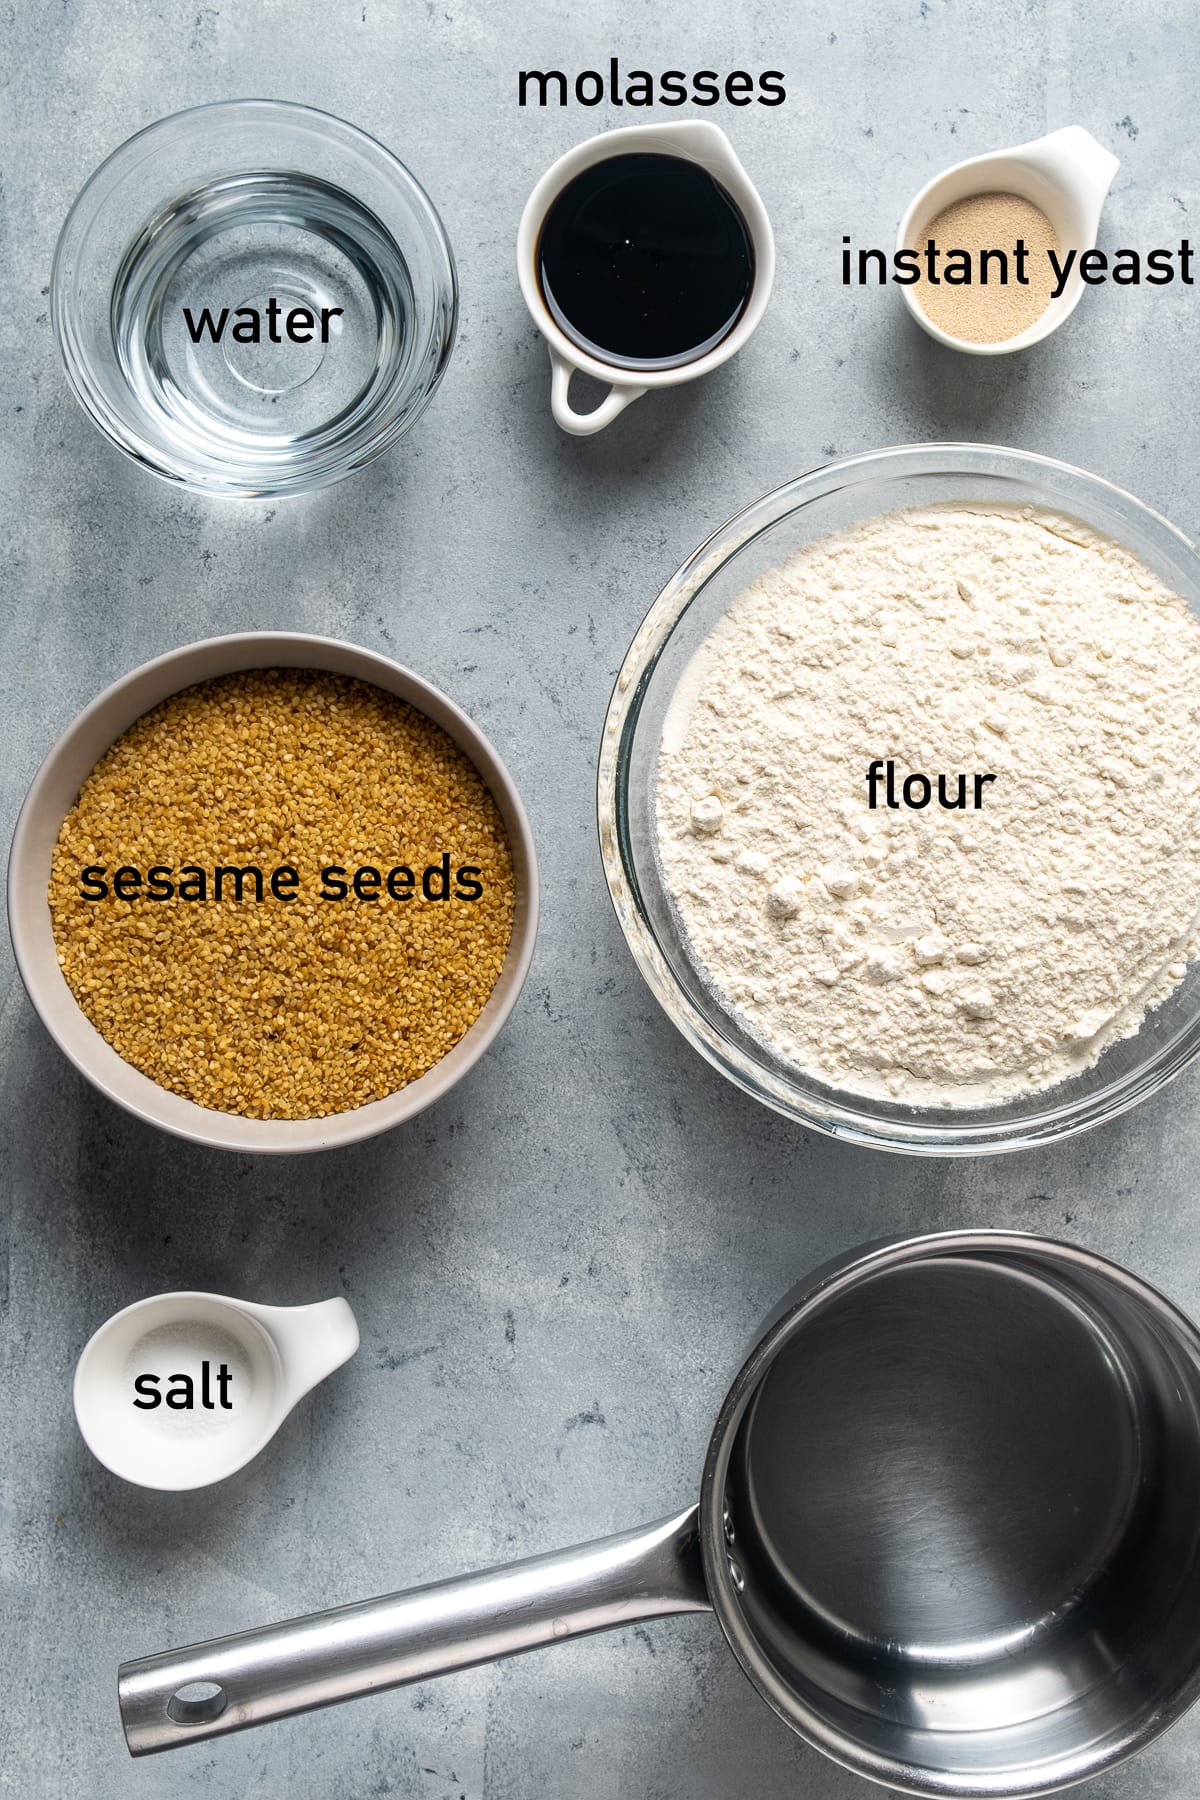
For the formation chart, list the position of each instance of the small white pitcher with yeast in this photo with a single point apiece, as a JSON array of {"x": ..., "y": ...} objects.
[
  {"x": 658, "y": 274},
  {"x": 1065, "y": 175}
]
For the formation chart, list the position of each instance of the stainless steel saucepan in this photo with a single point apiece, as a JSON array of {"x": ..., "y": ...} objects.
[{"x": 949, "y": 1522}]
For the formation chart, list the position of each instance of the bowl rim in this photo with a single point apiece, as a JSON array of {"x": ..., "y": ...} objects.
[
  {"x": 237, "y": 481},
  {"x": 31, "y": 928},
  {"x": 842, "y": 1114}
]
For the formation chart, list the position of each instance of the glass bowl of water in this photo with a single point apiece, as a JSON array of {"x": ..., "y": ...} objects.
[{"x": 253, "y": 298}]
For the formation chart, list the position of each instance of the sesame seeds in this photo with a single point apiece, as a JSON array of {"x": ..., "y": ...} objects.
[{"x": 283, "y": 1008}]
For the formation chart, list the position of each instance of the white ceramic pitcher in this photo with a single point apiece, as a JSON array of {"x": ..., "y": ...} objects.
[
  {"x": 1067, "y": 174},
  {"x": 697, "y": 141}
]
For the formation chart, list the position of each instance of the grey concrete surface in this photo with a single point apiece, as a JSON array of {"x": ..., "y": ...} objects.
[{"x": 557, "y": 1269}]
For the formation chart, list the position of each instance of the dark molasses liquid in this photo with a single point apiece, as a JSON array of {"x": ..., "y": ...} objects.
[{"x": 645, "y": 261}]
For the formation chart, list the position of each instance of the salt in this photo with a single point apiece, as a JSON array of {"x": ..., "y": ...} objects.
[{"x": 172, "y": 1352}]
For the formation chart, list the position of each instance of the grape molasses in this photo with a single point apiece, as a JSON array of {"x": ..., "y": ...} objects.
[{"x": 645, "y": 261}]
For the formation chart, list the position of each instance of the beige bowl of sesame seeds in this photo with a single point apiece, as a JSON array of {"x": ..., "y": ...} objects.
[{"x": 347, "y": 973}]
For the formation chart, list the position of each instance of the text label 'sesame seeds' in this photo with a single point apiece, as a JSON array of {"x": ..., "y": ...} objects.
[{"x": 283, "y": 894}]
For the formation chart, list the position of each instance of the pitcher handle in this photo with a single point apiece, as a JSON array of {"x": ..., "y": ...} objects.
[
  {"x": 584, "y": 424},
  {"x": 1073, "y": 157},
  {"x": 312, "y": 1341}
]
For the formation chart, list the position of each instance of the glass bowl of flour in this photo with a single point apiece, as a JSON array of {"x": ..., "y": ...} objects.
[{"x": 899, "y": 799}]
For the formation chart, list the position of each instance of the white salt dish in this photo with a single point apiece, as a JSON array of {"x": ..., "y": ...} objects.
[
  {"x": 275, "y": 1355},
  {"x": 1066, "y": 174}
]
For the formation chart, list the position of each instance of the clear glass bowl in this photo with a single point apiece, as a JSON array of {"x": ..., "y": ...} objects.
[
  {"x": 760, "y": 538},
  {"x": 165, "y": 275}
]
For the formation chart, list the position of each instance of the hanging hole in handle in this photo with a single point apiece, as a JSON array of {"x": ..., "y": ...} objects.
[{"x": 198, "y": 1703}]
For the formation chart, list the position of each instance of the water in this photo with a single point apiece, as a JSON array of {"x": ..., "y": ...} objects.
[{"x": 234, "y": 245}]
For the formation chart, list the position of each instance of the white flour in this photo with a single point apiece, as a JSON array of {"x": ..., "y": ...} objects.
[{"x": 941, "y": 957}]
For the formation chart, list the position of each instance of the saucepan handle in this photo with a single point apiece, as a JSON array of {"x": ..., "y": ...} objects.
[{"x": 182, "y": 1696}]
